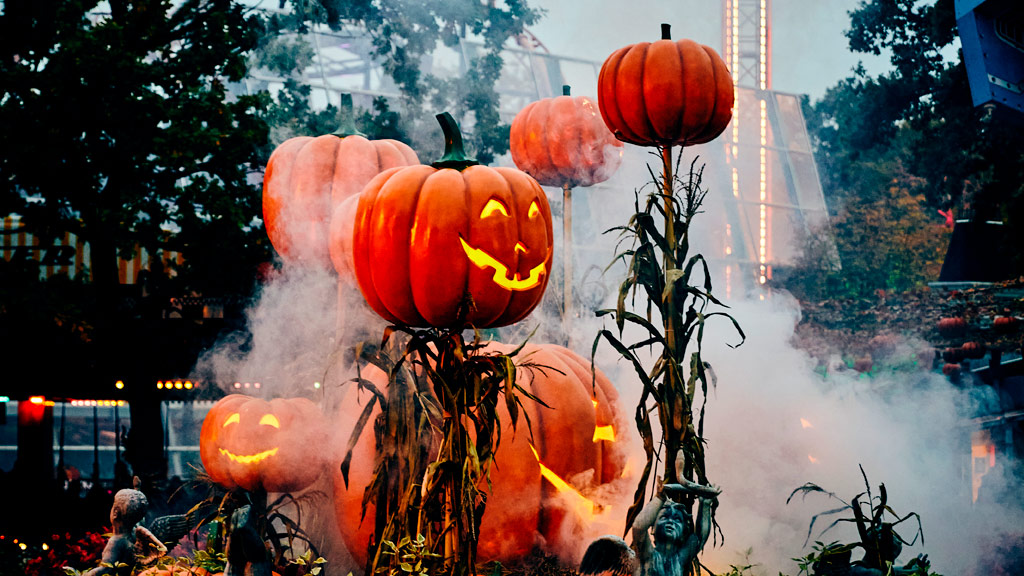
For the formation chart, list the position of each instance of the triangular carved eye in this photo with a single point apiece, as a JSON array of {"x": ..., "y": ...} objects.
[
  {"x": 233, "y": 419},
  {"x": 270, "y": 420},
  {"x": 534, "y": 210},
  {"x": 493, "y": 205}
]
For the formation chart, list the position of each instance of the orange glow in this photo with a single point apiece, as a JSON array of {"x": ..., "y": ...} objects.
[
  {"x": 804, "y": 423},
  {"x": 812, "y": 459},
  {"x": 493, "y": 205},
  {"x": 579, "y": 502},
  {"x": 119, "y": 384},
  {"x": 36, "y": 399},
  {"x": 249, "y": 458},
  {"x": 484, "y": 260},
  {"x": 604, "y": 433}
]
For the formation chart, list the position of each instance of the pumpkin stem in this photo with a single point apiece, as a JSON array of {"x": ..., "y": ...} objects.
[
  {"x": 348, "y": 119},
  {"x": 565, "y": 90},
  {"x": 666, "y": 31},
  {"x": 454, "y": 153}
]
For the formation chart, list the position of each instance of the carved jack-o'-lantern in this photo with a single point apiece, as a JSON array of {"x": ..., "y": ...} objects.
[
  {"x": 306, "y": 178},
  {"x": 253, "y": 444},
  {"x": 532, "y": 498},
  {"x": 453, "y": 243}
]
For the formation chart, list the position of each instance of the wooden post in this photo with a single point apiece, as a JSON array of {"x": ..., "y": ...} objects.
[{"x": 567, "y": 307}]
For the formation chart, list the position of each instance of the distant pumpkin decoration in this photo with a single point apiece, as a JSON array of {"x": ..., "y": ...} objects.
[
  {"x": 562, "y": 141},
  {"x": 951, "y": 370},
  {"x": 276, "y": 446},
  {"x": 453, "y": 243},
  {"x": 973, "y": 350},
  {"x": 577, "y": 434},
  {"x": 665, "y": 93},
  {"x": 951, "y": 327},
  {"x": 307, "y": 177},
  {"x": 1005, "y": 324}
]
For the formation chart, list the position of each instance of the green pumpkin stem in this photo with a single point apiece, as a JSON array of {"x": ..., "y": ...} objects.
[
  {"x": 565, "y": 90},
  {"x": 454, "y": 153},
  {"x": 348, "y": 119},
  {"x": 666, "y": 31}
]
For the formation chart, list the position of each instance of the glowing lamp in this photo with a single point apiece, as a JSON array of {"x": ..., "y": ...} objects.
[{"x": 36, "y": 399}]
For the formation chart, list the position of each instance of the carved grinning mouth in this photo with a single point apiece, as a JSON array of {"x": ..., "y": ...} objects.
[
  {"x": 249, "y": 458},
  {"x": 484, "y": 260}
]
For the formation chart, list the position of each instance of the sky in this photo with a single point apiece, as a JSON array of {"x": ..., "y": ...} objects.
[{"x": 809, "y": 48}]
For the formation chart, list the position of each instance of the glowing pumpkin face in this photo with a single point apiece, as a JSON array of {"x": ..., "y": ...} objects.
[
  {"x": 532, "y": 499},
  {"x": 448, "y": 246},
  {"x": 253, "y": 444}
]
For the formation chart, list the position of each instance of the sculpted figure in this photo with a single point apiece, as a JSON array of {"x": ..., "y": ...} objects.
[{"x": 128, "y": 510}]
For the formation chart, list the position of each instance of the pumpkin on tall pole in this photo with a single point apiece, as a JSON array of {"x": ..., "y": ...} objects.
[
  {"x": 663, "y": 94},
  {"x": 562, "y": 142}
]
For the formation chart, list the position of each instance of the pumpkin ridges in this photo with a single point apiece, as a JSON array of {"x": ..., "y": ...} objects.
[
  {"x": 438, "y": 287},
  {"x": 518, "y": 134},
  {"x": 628, "y": 91},
  {"x": 522, "y": 303},
  {"x": 356, "y": 162},
  {"x": 275, "y": 185},
  {"x": 721, "y": 114},
  {"x": 361, "y": 243},
  {"x": 701, "y": 102},
  {"x": 664, "y": 94},
  {"x": 497, "y": 235},
  {"x": 563, "y": 141},
  {"x": 537, "y": 147},
  {"x": 394, "y": 212},
  {"x": 607, "y": 98}
]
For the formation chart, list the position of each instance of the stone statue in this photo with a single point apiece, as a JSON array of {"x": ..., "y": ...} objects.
[
  {"x": 133, "y": 543},
  {"x": 676, "y": 538},
  {"x": 128, "y": 510},
  {"x": 245, "y": 549}
]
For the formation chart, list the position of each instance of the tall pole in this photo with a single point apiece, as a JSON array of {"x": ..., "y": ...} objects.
[
  {"x": 96, "y": 445},
  {"x": 567, "y": 308}
]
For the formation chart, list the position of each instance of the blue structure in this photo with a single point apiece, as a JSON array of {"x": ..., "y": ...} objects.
[{"x": 992, "y": 37}]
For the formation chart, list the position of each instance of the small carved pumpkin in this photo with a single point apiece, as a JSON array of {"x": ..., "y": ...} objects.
[
  {"x": 453, "y": 243},
  {"x": 665, "y": 93},
  {"x": 563, "y": 141},
  {"x": 307, "y": 177},
  {"x": 277, "y": 446},
  {"x": 576, "y": 435}
]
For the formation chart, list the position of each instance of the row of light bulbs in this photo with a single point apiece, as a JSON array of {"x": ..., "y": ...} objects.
[
  {"x": 175, "y": 384},
  {"x": 97, "y": 402}
]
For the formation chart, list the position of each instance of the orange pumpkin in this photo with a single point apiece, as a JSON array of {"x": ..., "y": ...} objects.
[
  {"x": 277, "y": 446},
  {"x": 575, "y": 436},
  {"x": 453, "y": 243},
  {"x": 665, "y": 93},
  {"x": 952, "y": 326},
  {"x": 307, "y": 177},
  {"x": 562, "y": 141}
]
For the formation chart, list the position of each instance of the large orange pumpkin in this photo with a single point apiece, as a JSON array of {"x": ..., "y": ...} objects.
[
  {"x": 454, "y": 243},
  {"x": 307, "y": 177},
  {"x": 563, "y": 142},
  {"x": 277, "y": 446},
  {"x": 576, "y": 435},
  {"x": 665, "y": 93}
]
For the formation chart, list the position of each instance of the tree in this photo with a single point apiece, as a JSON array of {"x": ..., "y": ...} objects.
[
  {"x": 916, "y": 123},
  {"x": 119, "y": 128},
  {"x": 401, "y": 33}
]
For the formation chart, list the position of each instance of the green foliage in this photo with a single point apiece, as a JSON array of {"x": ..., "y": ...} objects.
[
  {"x": 915, "y": 120},
  {"x": 118, "y": 127},
  {"x": 890, "y": 241},
  {"x": 660, "y": 268},
  {"x": 876, "y": 524},
  {"x": 442, "y": 398},
  {"x": 410, "y": 557}
]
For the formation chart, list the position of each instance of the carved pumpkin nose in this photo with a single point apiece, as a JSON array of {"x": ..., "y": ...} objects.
[{"x": 520, "y": 247}]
